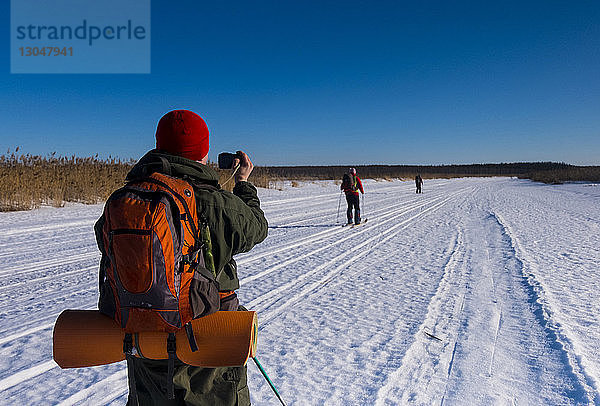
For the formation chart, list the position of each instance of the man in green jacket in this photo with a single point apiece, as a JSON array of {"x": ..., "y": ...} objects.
[{"x": 236, "y": 223}]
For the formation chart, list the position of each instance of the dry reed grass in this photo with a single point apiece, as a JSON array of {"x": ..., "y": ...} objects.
[{"x": 28, "y": 181}]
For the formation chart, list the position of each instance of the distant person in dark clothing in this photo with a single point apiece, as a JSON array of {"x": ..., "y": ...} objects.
[
  {"x": 351, "y": 184},
  {"x": 419, "y": 183}
]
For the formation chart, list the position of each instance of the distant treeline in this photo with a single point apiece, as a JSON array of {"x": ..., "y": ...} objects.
[
  {"x": 568, "y": 174},
  {"x": 522, "y": 170},
  {"x": 28, "y": 181}
]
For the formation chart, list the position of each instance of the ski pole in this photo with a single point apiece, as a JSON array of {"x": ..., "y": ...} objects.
[
  {"x": 262, "y": 370},
  {"x": 337, "y": 219},
  {"x": 363, "y": 205}
]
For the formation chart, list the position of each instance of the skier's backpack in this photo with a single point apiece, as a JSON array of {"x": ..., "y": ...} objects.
[
  {"x": 346, "y": 182},
  {"x": 349, "y": 183},
  {"x": 154, "y": 246}
]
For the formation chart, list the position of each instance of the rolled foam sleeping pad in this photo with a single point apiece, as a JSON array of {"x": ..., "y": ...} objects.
[{"x": 85, "y": 338}]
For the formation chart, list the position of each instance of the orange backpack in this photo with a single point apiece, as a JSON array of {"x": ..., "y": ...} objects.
[
  {"x": 154, "y": 261},
  {"x": 156, "y": 266}
]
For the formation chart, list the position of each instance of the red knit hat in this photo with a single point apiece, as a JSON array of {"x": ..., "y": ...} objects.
[{"x": 183, "y": 133}]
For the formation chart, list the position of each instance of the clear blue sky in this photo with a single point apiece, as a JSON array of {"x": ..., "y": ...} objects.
[{"x": 348, "y": 82}]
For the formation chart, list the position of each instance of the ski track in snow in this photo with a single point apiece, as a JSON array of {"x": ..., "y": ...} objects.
[
  {"x": 414, "y": 373},
  {"x": 478, "y": 291},
  {"x": 328, "y": 270}
]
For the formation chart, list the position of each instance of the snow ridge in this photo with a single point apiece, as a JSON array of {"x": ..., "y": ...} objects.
[{"x": 546, "y": 316}]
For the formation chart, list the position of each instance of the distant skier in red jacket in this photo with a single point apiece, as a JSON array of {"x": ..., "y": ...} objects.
[{"x": 351, "y": 184}]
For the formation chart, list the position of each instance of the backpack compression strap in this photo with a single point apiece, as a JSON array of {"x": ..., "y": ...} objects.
[
  {"x": 171, "y": 349},
  {"x": 128, "y": 350},
  {"x": 189, "y": 331}
]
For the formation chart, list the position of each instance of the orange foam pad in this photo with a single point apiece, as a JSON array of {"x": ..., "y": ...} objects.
[{"x": 85, "y": 338}]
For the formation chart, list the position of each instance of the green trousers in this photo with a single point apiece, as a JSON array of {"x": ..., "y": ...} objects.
[{"x": 194, "y": 386}]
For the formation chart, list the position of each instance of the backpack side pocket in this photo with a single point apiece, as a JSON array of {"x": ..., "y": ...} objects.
[{"x": 204, "y": 293}]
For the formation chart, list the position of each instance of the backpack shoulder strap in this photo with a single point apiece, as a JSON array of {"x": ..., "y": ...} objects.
[
  {"x": 166, "y": 166},
  {"x": 201, "y": 185}
]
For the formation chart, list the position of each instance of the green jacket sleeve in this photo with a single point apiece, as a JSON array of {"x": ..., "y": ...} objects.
[
  {"x": 255, "y": 227},
  {"x": 236, "y": 224}
]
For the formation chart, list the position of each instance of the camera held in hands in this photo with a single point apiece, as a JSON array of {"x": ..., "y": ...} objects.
[{"x": 226, "y": 159}]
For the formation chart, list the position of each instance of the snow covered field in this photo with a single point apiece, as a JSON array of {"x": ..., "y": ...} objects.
[{"x": 477, "y": 292}]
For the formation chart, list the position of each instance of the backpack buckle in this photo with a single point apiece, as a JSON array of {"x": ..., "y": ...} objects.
[
  {"x": 171, "y": 346},
  {"x": 191, "y": 259}
]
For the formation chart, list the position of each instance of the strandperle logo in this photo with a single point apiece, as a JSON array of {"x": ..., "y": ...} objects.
[
  {"x": 85, "y": 31},
  {"x": 80, "y": 36}
]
